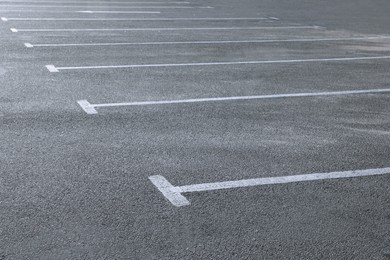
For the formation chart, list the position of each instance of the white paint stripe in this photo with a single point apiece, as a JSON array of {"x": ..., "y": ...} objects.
[
  {"x": 96, "y": 2},
  {"x": 238, "y": 98},
  {"x": 110, "y": 12},
  {"x": 280, "y": 180},
  {"x": 173, "y": 194},
  {"x": 13, "y": 30},
  {"x": 52, "y": 68},
  {"x": 169, "y": 29},
  {"x": 168, "y": 191},
  {"x": 118, "y": 12},
  {"x": 211, "y": 42},
  {"x": 137, "y": 19},
  {"x": 223, "y": 63},
  {"x": 4, "y": 19},
  {"x": 28, "y": 45},
  {"x": 109, "y": 7},
  {"x": 87, "y": 107}
]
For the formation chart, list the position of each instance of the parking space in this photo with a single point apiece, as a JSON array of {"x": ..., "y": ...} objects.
[{"x": 192, "y": 130}]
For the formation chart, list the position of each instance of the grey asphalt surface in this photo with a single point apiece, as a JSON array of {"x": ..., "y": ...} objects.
[{"x": 75, "y": 186}]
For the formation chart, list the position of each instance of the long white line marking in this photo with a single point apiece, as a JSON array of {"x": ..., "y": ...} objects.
[
  {"x": 169, "y": 29},
  {"x": 174, "y": 193},
  {"x": 117, "y": 12},
  {"x": 112, "y": 7},
  {"x": 94, "y": 2},
  {"x": 90, "y": 108},
  {"x": 221, "y": 63},
  {"x": 100, "y": 12},
  {"x": 205, "y": 42},
  {"x": 136, "y": 19}
]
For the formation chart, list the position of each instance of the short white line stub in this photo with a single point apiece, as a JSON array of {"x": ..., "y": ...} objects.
[
  {"x": 168, "y": 191},
  {"x": 13, "y": 30},
  {"x": 4, "y": 19},
  {"x": 52, "y": 68},
  {"x": 87, "y": 107},
  {"x": 173, "y": 193},
  {"x": 28, "y": 45}
]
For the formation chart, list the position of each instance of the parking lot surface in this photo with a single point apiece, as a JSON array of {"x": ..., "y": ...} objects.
[{"x": 198, "y": 129}]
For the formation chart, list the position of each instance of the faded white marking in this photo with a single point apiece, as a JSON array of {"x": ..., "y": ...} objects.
[
  {"x": 14, "y": 30},
  {"x": 237, "y": 98},
  {"x": 170, "y": 29},
  {"x": 213, "y": 42},
  {"x": 174, "y": 193},
  {"x": 4, "y": 19},
  {"x": 87, "y": 107},
  {"x": 28, "y": 45},
  {"x": 222, "y": 63}
]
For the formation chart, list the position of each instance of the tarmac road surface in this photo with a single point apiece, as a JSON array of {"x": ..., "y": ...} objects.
[{"x": 202, "y": 129}]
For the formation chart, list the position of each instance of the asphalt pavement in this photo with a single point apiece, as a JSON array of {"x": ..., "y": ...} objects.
[{"x": 204, "y": 129}]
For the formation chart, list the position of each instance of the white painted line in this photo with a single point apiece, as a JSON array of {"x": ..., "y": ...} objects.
[
  {"x": 87, "y": 107},
  {"x": 52, "y": 68},
  {"x": 211, "y": 42},
  {"x": 137, "y": 19},
  {"x": 4, "y": 19},
  {"x": 28, "y": 45},
  {"x": 222, "y": 63},
  {"x": 109, "y": 7},
  {"x": 97, "y": 2},
  {"x": 169, "y": 29},
  {"x": 236, "y": 98},
  {"x": 174, "y": 193},
  {"x": 110, "y": 12},
  {"x": 118, "y": 12},
  {"x": 168, "y": 191},
  {"x": 13, "y": 30}
]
